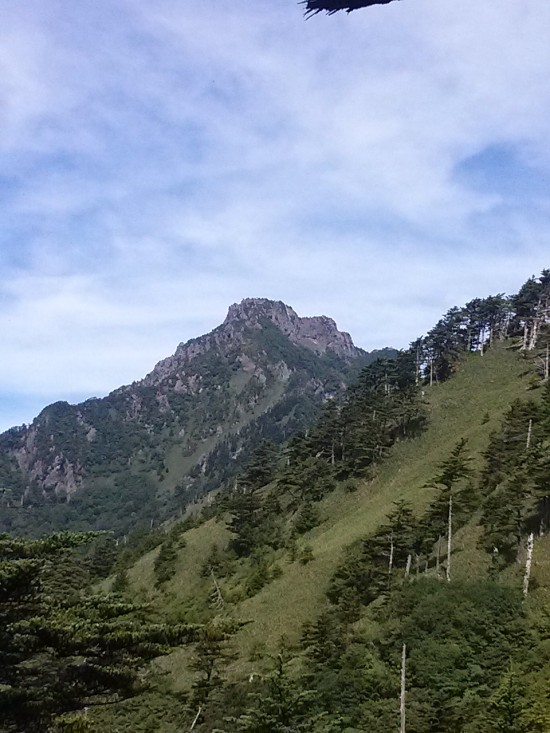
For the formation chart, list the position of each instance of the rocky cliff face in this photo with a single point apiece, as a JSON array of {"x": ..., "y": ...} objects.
[
  {"x": 186, "y": 427},
  {"x": 318, "y": 334}
]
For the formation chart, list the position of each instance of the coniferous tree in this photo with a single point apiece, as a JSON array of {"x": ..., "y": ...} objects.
[
  {"x": 508, "y": 706},
  {"x": 308, "y": 517},
  {"x": 333, "y": 6},
  {"x": 60, "y": 653},
  {"x": 121, "y": 583},
  {"x": 450, "y": 481},
  {"x": 212, "y": 654},
  {"x": 279, "y": 705},
  {"x": 245, "y": 508},
  {"x": 504, "y": 515},
  {"x": 165, "y": 562},
  {"x": 532, "y": 308},
  {"x": 508, "y": 447},
  {"x": 260, "y": 469}
]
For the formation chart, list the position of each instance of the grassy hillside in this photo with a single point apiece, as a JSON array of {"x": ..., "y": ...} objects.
[
  {"x": 470, "y": 405},
  {"x": 396, "y": 532}
]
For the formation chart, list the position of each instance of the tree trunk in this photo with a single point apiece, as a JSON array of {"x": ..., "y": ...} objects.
[
  {"x": 197, "y": 716},
  {"x": 402, "y": 705},
  {"x": 449, "y": 538},
  {"x": 217, "y": 596},
  {"x": 546, "y": 373},
  {"x": 528, "y": 562},
  {"x": 408, "y": 566},
  {"x": 437, "y": 556},
  {"x": 390, "y": 562},
  {"x": 534, "y": 334},
  {"x": 529, "y": 434},
  {"x": 504, "y": 332}
]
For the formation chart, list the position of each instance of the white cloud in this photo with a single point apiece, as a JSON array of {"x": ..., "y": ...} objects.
[{"x": 160, "y": 161}]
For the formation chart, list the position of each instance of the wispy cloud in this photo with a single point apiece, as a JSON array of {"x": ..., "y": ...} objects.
[{"x": 159, "y": 161}]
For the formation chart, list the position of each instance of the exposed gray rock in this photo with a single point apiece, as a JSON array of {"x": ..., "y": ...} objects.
[{"x": 318, "y": 334}]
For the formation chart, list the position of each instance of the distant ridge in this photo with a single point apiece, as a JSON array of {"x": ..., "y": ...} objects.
[{"x": 186, "y": 426}]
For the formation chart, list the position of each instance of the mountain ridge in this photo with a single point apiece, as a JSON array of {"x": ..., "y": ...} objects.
[
  {"x": 263, "y": 373},
  {"x": 316, "y": 333}
]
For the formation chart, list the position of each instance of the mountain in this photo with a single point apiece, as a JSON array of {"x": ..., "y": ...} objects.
[
  {"x": 149, "y": 448},
  {"x": 390, "y": 565},
  {"x": 373, "y": 556},
  {"x": 399, "y": 532}
]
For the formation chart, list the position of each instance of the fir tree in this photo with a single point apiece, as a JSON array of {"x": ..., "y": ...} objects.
[
  {"x": 165, "y": 562},
  {"x": 280, "y": 705},
  {"x": 61, "y": 653}
]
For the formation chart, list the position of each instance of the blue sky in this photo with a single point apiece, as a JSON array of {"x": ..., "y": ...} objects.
[{"x": 161, "y": 160}]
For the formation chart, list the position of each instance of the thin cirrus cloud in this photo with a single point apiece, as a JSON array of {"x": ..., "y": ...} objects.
[{"x": 159, "y": 161}]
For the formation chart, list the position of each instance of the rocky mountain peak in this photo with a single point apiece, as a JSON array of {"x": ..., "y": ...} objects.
[
  {"x": 250, "y": 310},
  {"x": 318, "y": 333},
  {"x": 195, "y": 415}
]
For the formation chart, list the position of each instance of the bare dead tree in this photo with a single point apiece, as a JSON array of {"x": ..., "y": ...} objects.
[
  {"x": 528, "y": 563},
  {"x": 449, "y": 538},
  {"x": 216, "y": 595},
  {"x": 408, "y": 566},
  {"x": 390, "y": 561},
  {"x": 403, "y": 695},
  {"x": 197, "y": 716}
]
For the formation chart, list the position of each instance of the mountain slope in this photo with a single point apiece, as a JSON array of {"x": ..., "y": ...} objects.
[
  {"x": 149, "y": 448},
  {"x": 338, "y": 564},
  {"x": 325, "y": 566},
  {"x": 470, "y": 405}
]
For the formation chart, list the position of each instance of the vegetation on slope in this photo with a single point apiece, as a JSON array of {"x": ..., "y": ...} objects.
[
  {"x": 403, "y": 521},
  {"x": 186, "y": 429}
]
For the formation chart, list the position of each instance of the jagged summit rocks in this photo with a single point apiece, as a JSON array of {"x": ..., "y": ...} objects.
[
  {"x": 242, "y": 324},
  {"x": 318, "y": 333}
]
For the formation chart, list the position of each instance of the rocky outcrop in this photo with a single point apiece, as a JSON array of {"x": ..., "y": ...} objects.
[{"x": 318, "y": 334}]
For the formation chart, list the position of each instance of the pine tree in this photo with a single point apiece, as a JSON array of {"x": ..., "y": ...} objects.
[
  {"x": 449, "y": 480},
  {"x": 261, "y": 468},
  {"x": 121, "y": 583},
  {"x": 62, "y": 652},
  {"x": 504, "y": 515},
  {"x": 212, "y": 654},
  {"x": 165, "y": 562},
  {"x": 507, "y": 706},
  {"x": 307, "y": 518},
  {"x": 245, "y": 510},
  {"x": 333, "y": 6},
  {"x": 454, "y": 500},
  {"x": 508, "y": 449},
  {"x": 280, "y": 705}
]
